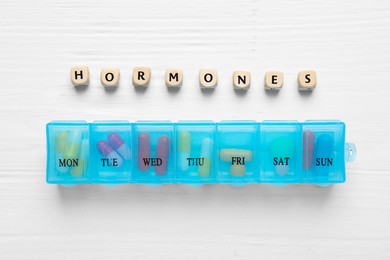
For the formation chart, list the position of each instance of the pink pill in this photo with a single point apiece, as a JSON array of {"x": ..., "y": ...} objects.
[
  {"x": 308, "y": 148},
  {"x": 119, "y": 145},
  {"x": 162, "y": 153},
  {"x": 143, "y": 151}
]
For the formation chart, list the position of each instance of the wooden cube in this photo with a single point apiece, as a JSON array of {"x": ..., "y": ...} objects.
[
  {"x": 241, "y": 80},
  {"x": 79, "y": 76},
  {"x": 110, "y": 77},
  {"x": 273, "y": 80},
  {"x": 173, "y": 78},
  {"x": 141, "y": 76},
  {"x": 307, "y": 80},
  {"x": 208, "y": 78}
]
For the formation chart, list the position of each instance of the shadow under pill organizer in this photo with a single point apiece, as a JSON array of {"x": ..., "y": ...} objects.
[{"x": 197, "y": 152}]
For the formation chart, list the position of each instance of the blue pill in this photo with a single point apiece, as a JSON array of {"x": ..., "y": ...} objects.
[{"x": 324, "y": 157}]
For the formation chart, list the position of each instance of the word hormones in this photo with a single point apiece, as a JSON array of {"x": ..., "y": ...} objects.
[{"x": 208, "y": 78}]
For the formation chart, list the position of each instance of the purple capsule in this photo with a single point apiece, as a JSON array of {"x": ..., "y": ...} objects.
[
  {"x": 119, "y": 145},
  {"x": 112, "y": 157},
  {"x": 162, "y": 153},
  {"x": 143, "y": 151}
]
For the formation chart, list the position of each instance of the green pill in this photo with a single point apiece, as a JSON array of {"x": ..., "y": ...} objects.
[
  {"x": 82, "y": 162},
  {"x": 283, "y": 146},
  {"x": 73, "y": 146},
  {"x": 184, "y": 142},
  {"x": 205, "y": 168},
  {"x": 77, "y": 171},
  {"x": 61, "y": 140},
  {"x": 184, "y": 150}
]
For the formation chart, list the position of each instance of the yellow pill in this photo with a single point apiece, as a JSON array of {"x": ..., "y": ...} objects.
[
  {"x": 205, "y": 168},
  {"x": 206, "y": 152},
  {"x": 237, "y": 170},
  {"x": 184, "y": 150},
  {"x": 61, "y": 140},
  {"x": 72, "y": 149},
  {"x": 226, "y": 155},
  {"x": 184, "y": 142},
  {"x": 77, "y": 171}
]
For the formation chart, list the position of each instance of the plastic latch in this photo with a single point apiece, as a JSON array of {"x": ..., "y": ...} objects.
[{"x": 350, "y": 152}]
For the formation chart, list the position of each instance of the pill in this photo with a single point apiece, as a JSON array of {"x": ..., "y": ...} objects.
[
  {"x": 323, "y": 154},
  {"x": 282, "y": 150},
  {"x": 282, "y": 147},
  {"x": 184, "y": 149},
  {"x": 282, "y": 169},
  {"x": 119, "y": 145},
  {"x": 308, "y": 147},
  {"x": 61, "y": 166},
  {"x": 78, "y": 170},
  {"x": 162, "y": 153},
  {"x": 113, "y": 158},
  {"x": 72, "y": 149},
  {"x": 61, "y": 141},
  {"x": 226, "y": 155},
  {"x": 206, "y": 154},
  {"x": 143, "y": 151},
  {"x": 237, "y": 170}
]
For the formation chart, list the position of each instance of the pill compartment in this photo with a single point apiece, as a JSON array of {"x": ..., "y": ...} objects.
[
  {"x": 153, "y": 153},
  {"x": 281, "y": 152},
  {"x": 111, "y": 154},
  {"x": 238, "y": 155},
  {"x": 67, "y": 152},
  {"x": 323, "y": 159},
  {"x": 195, "y": 152}
]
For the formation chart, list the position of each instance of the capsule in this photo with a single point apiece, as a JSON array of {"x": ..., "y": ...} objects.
[
  {"x": 113, "y": 158},
  {"x": 308, "y": 147},
  {"x": 61, "y": 141},
  {"x": 143, "y": 151},
  {"x": 282, "y": 148},
  {"x": 184, "y": 149},
  {"x": 323, "y": 154},
  {"x": 77, "y": 171},
  {"x": 237, "y": 170},
  {"x": 162, "y": 152},
  {"x": 72, "y": 149},
  {"x": 237, "y": 158},
  {"x": 227, "y": 155},
  {"x": 206, "y": 153},
  {"x": 119, "y": 145}
]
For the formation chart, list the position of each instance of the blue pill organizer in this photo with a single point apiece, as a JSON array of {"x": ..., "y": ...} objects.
[{"x": 197, "y": 152}]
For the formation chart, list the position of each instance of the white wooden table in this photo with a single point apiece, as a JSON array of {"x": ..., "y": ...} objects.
[{"x": 347, "y": 42}]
